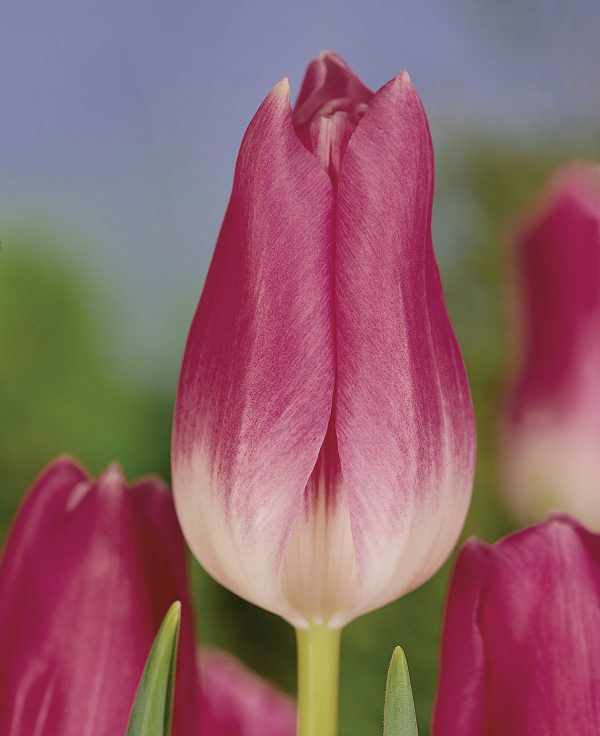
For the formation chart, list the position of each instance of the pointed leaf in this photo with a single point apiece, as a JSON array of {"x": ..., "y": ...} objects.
[
  {"x": 399, "y": 718},
  {"x": 153, "y": 705}
]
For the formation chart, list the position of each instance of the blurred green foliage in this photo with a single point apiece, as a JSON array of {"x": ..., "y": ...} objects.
[{"x": 60, "y": 393}]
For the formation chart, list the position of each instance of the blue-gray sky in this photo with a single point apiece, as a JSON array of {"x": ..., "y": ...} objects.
[{"x": 123, "y": 119}]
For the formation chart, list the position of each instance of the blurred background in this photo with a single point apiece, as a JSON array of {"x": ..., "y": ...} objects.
[{"x": 119, "y": 128}]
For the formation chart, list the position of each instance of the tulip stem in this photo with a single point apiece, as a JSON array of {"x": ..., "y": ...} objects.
[{"x": 318, "y": 680}]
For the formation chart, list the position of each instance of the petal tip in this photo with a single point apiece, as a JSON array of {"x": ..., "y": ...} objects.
[
  {"x": 475, "y": 546},
  {"x": 581, "y": 182},
  {"x": 63, "y": 471},
  {"x": 112, "y": 476},
  {"x": 576, "y": 184},
  {"x": 400, "y": 88},
  {"x": 67, "y": 462},
  {"x": 328, "y": 55},
  {"x": 403, "y": 80},
  {"x": 282, "y": 89},
  {"x": 563, "y": 520}
]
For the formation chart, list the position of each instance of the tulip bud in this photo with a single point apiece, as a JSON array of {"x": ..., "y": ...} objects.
[
  {"x": 323, "y": 441},
  {"x": 89, "y": 570},
  {"x": 521, "y": 638},
  {"x": 551, "y": 421}
]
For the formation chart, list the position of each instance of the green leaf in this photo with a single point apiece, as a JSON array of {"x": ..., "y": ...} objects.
[
  {"x": 153, "y": 705},
  {"x": 399, "y": 718}
]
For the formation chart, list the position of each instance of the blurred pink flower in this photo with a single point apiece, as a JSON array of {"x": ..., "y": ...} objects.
[
  {"x": 323, "y": 443},
  {"x": 237, "y": 702},
  {"x": 521, "y": 637},
  {"x": 89, "y": 570},
  {"x": 551, "y": 421}
]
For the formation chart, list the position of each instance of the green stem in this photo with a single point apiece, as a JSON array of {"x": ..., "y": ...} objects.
[{"x": 318, "y": 680}]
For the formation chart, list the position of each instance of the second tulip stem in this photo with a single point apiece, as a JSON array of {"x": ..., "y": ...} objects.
[{"x": 318, "y": 680}]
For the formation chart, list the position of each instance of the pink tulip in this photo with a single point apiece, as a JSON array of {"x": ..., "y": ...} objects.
[
  {"x": 521, "y": 639},
  {"x": 323, "y": 439},
  {"x": 88, "y": 572},
  {"x": 551, "y": 423}
]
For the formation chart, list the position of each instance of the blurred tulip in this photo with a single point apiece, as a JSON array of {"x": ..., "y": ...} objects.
[
  {"x": 323, "y": 441},
  {"x": 521, "y": 638},
  {"x": 551, "y": 422},
  {"x": 238, "y": 703},
  {"x": 88, "y": 572}
]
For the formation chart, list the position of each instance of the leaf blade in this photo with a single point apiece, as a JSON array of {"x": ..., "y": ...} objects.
[
  {"x": 399, "y": 717},
  {"x": 153, "y": 705}
]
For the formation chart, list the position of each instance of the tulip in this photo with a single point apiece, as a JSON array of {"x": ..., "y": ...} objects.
[
  {"x": 323, "y": 437},
  {"x": 88, "y": 572},
  {"x": 551, "y": 421},
  {"x": 521, "y": 637},
  {"x": 323, "y": 441}
]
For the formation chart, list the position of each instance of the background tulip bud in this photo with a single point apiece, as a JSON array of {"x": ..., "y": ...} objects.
[
  {"x": 238, "y": 703},
  {"x": 89, "y": 570},
  {"x": 521, "y": 638},
  {"x": 323, "y": 440},
  {"x": 551, "y": 422}
]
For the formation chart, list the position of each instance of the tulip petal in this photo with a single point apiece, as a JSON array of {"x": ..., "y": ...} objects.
[
  {"x": 461, "y": 700},
  {"x": 89, "y": 570},
  {"x": 237, "y": 702},
  {"x": 521, "y": 642},
  {"x": 256, "y": 385},
  {"x": 330, "y": 104},
  {"x": 318, "y": 574},
  {"x": 403, "y": 411},
  {"x": 327, "y": 77}
]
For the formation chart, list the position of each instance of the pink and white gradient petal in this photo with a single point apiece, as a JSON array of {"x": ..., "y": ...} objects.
[
  {"x": 256, "y": 384},
  {"x": 404, "y": 418}
]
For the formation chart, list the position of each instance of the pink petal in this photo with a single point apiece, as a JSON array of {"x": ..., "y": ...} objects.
[
  {"x": 88, "y": 572},
  {"x": 521, "y": 644},
  {"x": 237, "y": 702},
  {"x": 256, "y": 385},
  {"x": 403, "y": 410},
  {"x": 327, "y": 77},
  {"x": 461, "y": 699}
]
